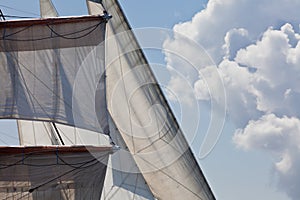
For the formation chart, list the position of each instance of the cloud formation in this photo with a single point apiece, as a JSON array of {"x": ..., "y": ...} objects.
[{"x": 255, "y": 45}]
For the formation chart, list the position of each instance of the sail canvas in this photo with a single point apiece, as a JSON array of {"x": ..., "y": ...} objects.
[{"x": 116, "y": 104}]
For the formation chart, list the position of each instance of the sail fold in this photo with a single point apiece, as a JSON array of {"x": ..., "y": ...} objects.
[{"x": 53, "y": 70}]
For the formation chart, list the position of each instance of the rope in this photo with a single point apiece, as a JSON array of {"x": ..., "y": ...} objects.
[
  {"x": 81, "y": 167},
  {"x": 11, "y": 8},
  {"x": 44, "y": 84},
  {"x": 63, "y": 162},
  {"x": 64, "y": 36},
  {"x": 57, "y": 35},
  {"x": 65, "y": 135},
  {"x": 1, "y": 15},
  {"x": 37, "y": 78},
  {"x": 15, "y": 16},
  {"x": 76, "y": 169},
  {"x": 7, "y": 135},
  {"x": 58, "y": 134}
]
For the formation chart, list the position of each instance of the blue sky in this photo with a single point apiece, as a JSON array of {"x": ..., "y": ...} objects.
[{"x": 242, "y": 165}]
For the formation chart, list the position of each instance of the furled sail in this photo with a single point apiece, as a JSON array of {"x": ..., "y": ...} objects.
[
  {"x": 49, "y": 173},
  {"x": 53, "y": 70},
  {"x": 156, "y": 142}
]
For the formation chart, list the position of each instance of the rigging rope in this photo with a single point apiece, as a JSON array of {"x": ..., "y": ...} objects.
[
  {"x": 11, "y": 8},
  {"x": 1, "y": 15},
  {"x": 15, "y": 16},
  {"x": 25, "y": 156},
  {"x": 76, "y": 168},
  {"x": 81, "y": 167},
  {"x": 58, "y": 134},
  {"x": 90, "y": 30},
  {"x": 44, "y": 84}
]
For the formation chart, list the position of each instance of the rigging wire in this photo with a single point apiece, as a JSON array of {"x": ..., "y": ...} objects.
[
  {"x": 94, "y": 27},
  {"x": 11, "y": 8},
  {"x": 31, "y": 94},
  {"x": 90, "y": 30},
  {"x": 58, "y": 134},
  {"x": 22, "y": 78},
  {"x": 82, "y": 166},
  {"x": 1, "y": 15},
  {"x": 64, "y": 163},
  {"x": 65, "y": 135},
  {"x": 16, "y": 16},
  {"x": 7, "y": 135}
]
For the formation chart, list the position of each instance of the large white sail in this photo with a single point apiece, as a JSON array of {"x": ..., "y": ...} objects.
[
  {"x": 119, "y": 182},
  {"x": 39, "y": 132},
  {"x": 38, "y": 65},
  {"x": 43, "y": 65},
  {"x": 131, "y": 92},
  {"x": 157, "y": 143}
]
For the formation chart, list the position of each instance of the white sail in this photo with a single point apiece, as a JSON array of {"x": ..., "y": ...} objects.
[
  {"x": 38, "y": 132},
  {"x": 47, "y": 9},
  {"x": 160, "y": 153},
  {"x": 154, "y": 138},
  {"x": 50, "y": 173},
  {"x": 50, "y": 70},
  {"x": 50, "y": 177},
  {"x": 119, "y": 183}
]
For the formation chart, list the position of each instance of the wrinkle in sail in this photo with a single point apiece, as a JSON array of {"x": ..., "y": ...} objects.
[{"x": 50, "y": 80}]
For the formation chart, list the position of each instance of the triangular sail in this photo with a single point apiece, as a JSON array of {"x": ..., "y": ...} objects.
[
  {"x": 47, "y": 9},
  {"x": 124, "y": 180},
  {"x": 159, "y": 149},
  {"x": 119, "y": 182}
]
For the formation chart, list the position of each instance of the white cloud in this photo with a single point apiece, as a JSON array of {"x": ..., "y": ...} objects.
[
  {"x": 210, "y": 26},
  {"x": 235, "y": 39},
  {"x": 255, "y": 44},
  {"x": 281, "y": 138}
]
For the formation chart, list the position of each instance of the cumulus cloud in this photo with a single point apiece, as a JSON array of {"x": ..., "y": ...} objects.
[
  {"x": 279, "y": 136},
  {"x": 255, "y": 46},
  {"x": 210, "y": 26}
]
